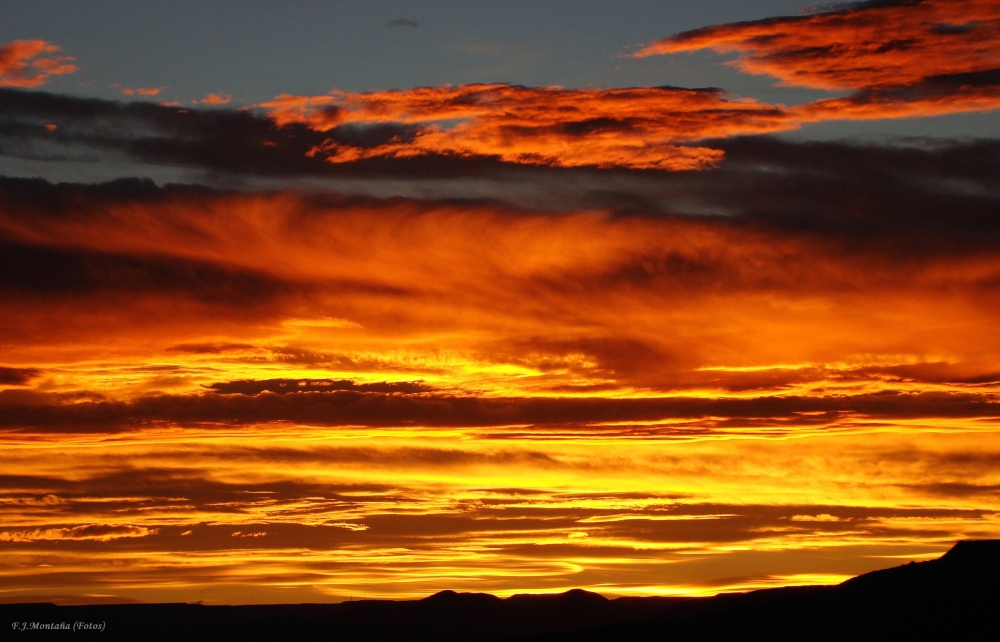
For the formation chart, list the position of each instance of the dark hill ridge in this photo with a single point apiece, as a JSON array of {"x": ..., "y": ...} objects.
[
  {"x": 446, "y": 616},
  {"x": 956, "y": 597}
]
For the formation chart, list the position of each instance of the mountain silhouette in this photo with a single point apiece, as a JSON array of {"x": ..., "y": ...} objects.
[{"x": 956, "y": 597}]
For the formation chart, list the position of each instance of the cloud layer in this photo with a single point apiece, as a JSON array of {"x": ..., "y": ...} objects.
[
  {"x": 790, "y": 356},
  {"x": 516, "y": 349}
]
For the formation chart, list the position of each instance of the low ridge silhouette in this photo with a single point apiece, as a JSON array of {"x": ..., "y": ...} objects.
[{"x": 955, "y": 597}]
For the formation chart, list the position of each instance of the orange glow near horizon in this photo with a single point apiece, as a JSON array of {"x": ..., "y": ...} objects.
[
  {"x": 323, "y": 514},
  {"x": 422, "y": 397}
]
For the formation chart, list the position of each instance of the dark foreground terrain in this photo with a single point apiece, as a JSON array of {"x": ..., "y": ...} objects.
[{"x": 956, "y": 597}]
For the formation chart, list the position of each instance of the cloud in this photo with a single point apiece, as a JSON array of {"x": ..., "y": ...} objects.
[
  {"x": 209, "y": 348},
  {"x": 442, "y": 507},
  {"x": 238, "y": 142},
  {"x": 403, "y": 22},
  {"x": 959, "y": 490},
  {"x": 869, "y": 44},
  {"x": 448, "y": 131},
  {"x": 17, "y": 376},
  {"x": 22, "y": 64},
  {"x": 479, "y": 299},
  {"x": 371, "y": 509},
  {"x": 287, "y": 386},
  {"x": 931, "y": 96},
  {"x": 28, "y": 270},
  {"x": 217, "y": 99},
  {"x": 345, "y": 408},
  {"x": 93, "y": 532},
  {"x": 443, "y": 381},
  {"x": 904, "y": 59},
  {"x": 822, "y": 517},
  {"x": 142, "y": 91},
  {"x": 936, "y": 58},
  {"x": 636, "y": 127}
]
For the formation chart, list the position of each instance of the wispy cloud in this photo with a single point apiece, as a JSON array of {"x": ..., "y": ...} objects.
[{"x": 94, "y": 532}]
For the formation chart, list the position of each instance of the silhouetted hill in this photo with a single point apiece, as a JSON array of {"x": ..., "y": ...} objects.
[
  {"x": 954, "y": 597},
  {"x": 445, "y": 616}
]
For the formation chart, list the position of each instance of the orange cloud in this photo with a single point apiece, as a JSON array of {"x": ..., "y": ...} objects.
[
  {"x": 22, "y": 64},
  {"x": 642, "y": 128},
  {"x": 903, "y": 60},
  {"x": 143, "y": 91},
  {"x": 871, "y": 45},
  {"x": 408, "y": 396},
  {"x": 956, "y": 94},
  {"x": 509, "y": 303},
  {"x": 214, "y": 99},
  {"x": 94, "y": 532}
]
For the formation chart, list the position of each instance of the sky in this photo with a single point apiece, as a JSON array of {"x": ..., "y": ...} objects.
[{"x": 315, "y": 300}]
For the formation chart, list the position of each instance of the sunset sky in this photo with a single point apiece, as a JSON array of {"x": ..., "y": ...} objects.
[{"x": 308, "y": 300}]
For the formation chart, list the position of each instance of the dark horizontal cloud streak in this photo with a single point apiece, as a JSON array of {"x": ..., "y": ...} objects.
[{"x": 345, "y": 408}]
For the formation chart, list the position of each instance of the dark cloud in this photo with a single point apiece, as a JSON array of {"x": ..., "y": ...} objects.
[
  {"x": 17, "y": 376},
  {"x": 208, "y": 348},
  {"x": 65, "y": 199},
  {"x": 399, "y": 458},
  {"x": 376, "y": 135},
  {"x": 216, "y": 138},
  {"x": 403, "y": 22},
  {"x": 927, "y": 197},
  {"x": 758, "y": 173},
  {"x": 909, "y": 200},
  {"x": 958, "y": 490},
  {"x": 286, "y": 386},
  {"x": 222, "y": 140},
  {"x": 381, "y": 409},
  {"x": 27, "y": 270}
]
